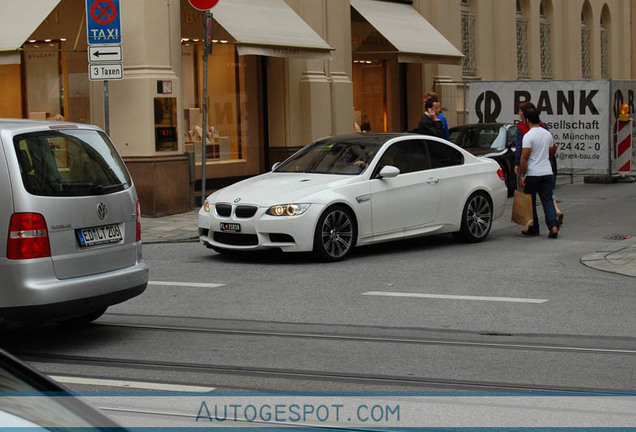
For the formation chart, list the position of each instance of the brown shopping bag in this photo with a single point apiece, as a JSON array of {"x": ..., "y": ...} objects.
[{"x": 522, "y": 208}]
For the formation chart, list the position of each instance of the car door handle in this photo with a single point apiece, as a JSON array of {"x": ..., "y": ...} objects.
[{"x": 432, "y": 180}]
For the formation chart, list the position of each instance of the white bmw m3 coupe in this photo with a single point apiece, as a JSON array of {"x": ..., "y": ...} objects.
[{"x": 352, "y": 190}]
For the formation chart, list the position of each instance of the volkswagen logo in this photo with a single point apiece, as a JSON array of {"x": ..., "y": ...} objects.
[
  {"x": 236, "y": 200},
  {"x": 101, "y": 210}
]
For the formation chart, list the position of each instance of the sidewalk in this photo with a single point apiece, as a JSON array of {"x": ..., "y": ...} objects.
[
  {"x": 615, "y": 257},
  {"x": 169, "y": 229}
]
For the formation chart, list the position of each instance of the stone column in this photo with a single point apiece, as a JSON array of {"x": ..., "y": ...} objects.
[
  {"x": 310, "y": 107},
  {"x": 151, "y": 45}
]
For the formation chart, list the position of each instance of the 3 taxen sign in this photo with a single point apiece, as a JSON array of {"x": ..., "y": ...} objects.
[
  {"x": 105, "y": 72},
  {"x": 103, "y": 22}
]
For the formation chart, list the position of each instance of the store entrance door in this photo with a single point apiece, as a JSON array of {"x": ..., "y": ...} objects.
[
  {"x": 369, "y": 95},
  {"x": 379, "y": 95}
]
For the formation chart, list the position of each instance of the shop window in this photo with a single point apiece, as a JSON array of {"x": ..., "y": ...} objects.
[
  {"x": 42, "y": 75},
  {"x": 55, "y": 81},
  {"x": 166, "y": 138},
  {"x": 232, "y": 109},
  {"x": 10, "y": 88}
]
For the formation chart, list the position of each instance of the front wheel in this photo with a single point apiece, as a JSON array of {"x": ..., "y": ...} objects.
[
  {"x": 476, "y": 218},
  {"x": 335, "y": 234}
]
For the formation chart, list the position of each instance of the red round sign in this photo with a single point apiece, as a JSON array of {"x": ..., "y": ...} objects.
[
  {"x": 104, "y": 12},
  {"x": 203, "y": 5}
]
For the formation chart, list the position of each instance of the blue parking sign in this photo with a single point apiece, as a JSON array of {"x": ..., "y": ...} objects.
[{"x": 103, "y": 22}]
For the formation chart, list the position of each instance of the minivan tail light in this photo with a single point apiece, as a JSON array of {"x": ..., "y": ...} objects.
[
  {"x": 138, "y": 234},
  {"x": 28, "y": 237}
]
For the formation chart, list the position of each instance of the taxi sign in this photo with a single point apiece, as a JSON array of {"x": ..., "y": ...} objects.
[{"x": 103, "y": 22}]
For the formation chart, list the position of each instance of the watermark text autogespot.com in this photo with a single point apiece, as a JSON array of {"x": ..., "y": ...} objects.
[{"x": 376, "y": 414}]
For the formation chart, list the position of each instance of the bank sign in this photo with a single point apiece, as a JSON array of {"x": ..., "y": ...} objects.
[
  {"x": 581, "y": 115},
  {"x": 103, "y": 22}
]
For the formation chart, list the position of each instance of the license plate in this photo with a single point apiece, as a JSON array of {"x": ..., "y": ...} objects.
[
  {"x": 99, "y": 235},
  {"x": 230, "y": 227}
]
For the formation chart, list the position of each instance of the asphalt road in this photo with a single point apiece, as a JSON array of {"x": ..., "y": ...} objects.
[{"x": 511, "y": 313}]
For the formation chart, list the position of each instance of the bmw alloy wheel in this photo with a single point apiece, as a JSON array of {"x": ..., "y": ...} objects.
[
  {"x": 476, "y": 218},
  {"x": 334, "y": 234}
]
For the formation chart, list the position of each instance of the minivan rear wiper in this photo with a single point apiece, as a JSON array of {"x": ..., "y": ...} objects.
[{"x": 103, "y": 190}]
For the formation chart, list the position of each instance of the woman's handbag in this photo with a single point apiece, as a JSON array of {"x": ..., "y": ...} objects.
[{"x": 522, "y": 208}]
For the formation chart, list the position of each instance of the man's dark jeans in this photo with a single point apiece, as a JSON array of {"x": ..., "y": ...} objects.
[{"x": 541, "y": 185}]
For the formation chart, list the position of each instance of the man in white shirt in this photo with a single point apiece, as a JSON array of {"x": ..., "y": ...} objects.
[{"x": 536, "y": 172}]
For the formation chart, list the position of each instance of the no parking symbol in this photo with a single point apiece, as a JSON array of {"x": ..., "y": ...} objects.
[{"x": 103, "y": 22}]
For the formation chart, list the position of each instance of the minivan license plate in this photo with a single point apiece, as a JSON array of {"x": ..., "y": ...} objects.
[
  {"x": 230, "y": 227},
  {"x": 99, "y": 235}
]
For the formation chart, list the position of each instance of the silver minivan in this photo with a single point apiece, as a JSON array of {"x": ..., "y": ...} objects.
[{"x": 70, "y": 224}]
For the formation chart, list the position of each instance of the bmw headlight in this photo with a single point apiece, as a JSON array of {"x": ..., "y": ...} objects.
[
  {"x": 287, "y": 209},
  {"x": 207, "y": 206}
]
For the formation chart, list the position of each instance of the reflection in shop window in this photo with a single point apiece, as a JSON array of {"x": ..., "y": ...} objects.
[
  {"x": 228, "y": 108},
  {"x": 55, "y": 81},
  {"x": 42, "y": 75}
]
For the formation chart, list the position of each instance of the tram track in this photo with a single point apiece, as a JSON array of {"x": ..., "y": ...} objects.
[
  {"x": 379, "y": 339},
  {"x": 383, "y": 339},
  {"x": 465, "y": 385}
]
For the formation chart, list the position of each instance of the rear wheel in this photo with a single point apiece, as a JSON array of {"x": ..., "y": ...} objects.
[
  {"x": 335, "y": 234},
  {"x": 476, "y": 218}
]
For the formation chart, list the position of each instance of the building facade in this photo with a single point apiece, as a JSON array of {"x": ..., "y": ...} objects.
[{"x": 285, "y": 72}]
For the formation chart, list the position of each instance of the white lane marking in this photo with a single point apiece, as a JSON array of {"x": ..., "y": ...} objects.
[
  {"x": 186, "y": 284},
  {"x": 131, "y": 384},
  {"x": 454, "y": 297}
]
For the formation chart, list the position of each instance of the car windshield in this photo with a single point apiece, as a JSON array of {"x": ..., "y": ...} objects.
[
  {"x": 27, "y": 404},
  {"x": 70, "y": 162},
  {"x": 332, "y": 157}
]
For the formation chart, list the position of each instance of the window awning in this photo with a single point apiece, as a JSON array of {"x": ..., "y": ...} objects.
[
  {"x": 19, "y": 19},
  {"x": 408, "y": 33},
  {"x": 269, "y": 28}
]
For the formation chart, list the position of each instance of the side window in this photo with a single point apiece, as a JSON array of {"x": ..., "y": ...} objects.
[
  {"x": 443, "y": 155},
  {"x": 487, "y": 136},
  {"x": 512, "y": 136},
  {"x": 407, "y": 156}
]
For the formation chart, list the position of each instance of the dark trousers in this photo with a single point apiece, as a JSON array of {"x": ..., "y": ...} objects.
[{"x": 542, "y": 186}]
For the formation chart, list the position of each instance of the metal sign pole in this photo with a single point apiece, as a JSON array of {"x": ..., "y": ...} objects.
[
  {"x": 106, "y": 114},
  {"x": 207, "y": 49}
]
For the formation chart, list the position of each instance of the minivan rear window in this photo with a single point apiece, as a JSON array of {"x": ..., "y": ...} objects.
[{"x": 72, "y": 162}]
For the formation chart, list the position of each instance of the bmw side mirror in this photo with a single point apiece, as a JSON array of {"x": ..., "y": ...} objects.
[{"x": 389, "y": 171}]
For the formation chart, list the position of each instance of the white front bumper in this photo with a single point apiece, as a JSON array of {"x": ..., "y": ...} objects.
[{"x": 261, "y": 231}]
